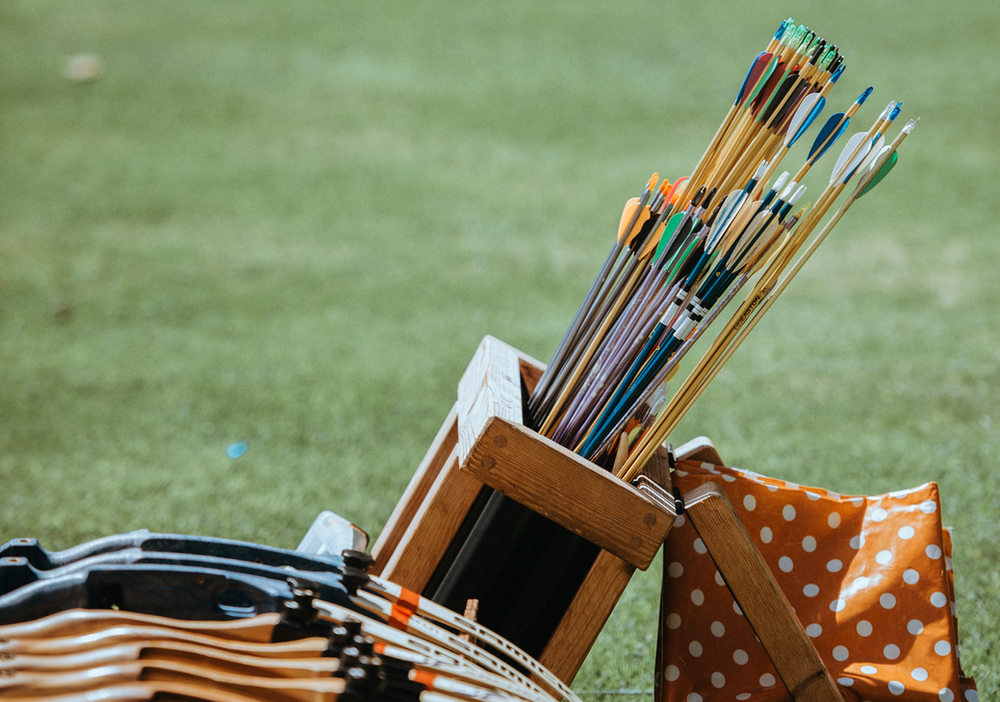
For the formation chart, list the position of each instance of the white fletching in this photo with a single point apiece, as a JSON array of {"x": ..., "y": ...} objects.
[
  {"x": 780, "y": 182},
  {"x": 801, "y": 112},
  {"x": 788, "y": 191},
  {"x": 798, "y": 194},
  {"x": 852, "y": 154},
  {"x": 873, "y": 153}
]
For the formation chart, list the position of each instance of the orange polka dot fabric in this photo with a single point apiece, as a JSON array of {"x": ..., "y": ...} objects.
[{"x": 868, "y": 577}]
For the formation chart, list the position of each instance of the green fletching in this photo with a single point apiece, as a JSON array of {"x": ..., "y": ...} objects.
[
  {"x": 882, "y": 172},
  {"x": 667, "y": 235}
]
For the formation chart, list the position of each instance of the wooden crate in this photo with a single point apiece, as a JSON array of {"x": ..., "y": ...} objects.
[{"x": 484, "y": 441}]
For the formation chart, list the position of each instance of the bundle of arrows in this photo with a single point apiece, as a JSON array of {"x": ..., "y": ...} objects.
[{"x": 685, "y": 250}]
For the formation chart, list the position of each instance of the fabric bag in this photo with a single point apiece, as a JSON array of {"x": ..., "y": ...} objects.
[{"x": 870, "y": 579}]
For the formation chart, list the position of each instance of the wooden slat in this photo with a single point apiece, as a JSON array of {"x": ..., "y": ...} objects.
[
  {"x": 700, "y": 448},
  {"x": 572, "y": 492},
  {"x": 759, "y": 596},
  {"x": 586, "y": 615},
  {"x": 420, "y": 484},
  {"x": 433, "y": 527},
  {"x": 490, "y": 387}
]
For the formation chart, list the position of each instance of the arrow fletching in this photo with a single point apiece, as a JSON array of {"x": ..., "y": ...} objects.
[
  {"x": 631, "y": 208},
  {"x": 850, "y": 157},
  {"x": 808, "y": 110},
  {"x": 873, "y": 152},
  {"x": 764, "y": 77},
  {"x": 668, "y": 234},
  {"x": 830, "y": 132},
  {"x": 880, "y": 173},
  {"x": 753, "y": 67}
]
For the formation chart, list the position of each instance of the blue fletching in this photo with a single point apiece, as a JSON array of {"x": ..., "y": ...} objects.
[
  {"x": 830, "y": 132},
  {"x": 864, "y": 96},
  {"x": 743, "y": 88},
  {"x": 836, "y": 75},
  {"x": 810, "y": 118},
  {"x": 895, "y": 111}
]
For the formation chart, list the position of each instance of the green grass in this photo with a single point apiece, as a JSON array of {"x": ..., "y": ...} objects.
[{"x": 291, "y": 224}]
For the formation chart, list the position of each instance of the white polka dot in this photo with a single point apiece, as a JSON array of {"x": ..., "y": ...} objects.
[
  {"x": 718, "y": 680},
  {"x": 673, "y": 621},
  {"x": 695, "y": 649},
  {"x": 698, "y": 597},
  {"x": 942, "y": 648},
  {"x": 750, "y": 503},
  {"x": 682, "y": 473},
  {"x": 833, "y": 520},
  {"x": 767, "y": 680},
  {"x": 834, "y": 566},
  {"x": 915, "y": 627},
  {"x": 740, "y": 656},
  {"x": 812, "y": 495},
  {"x": 766, "y": 535},
  {"x": 694, "y": 697},
  {"x": 919, "y": 674},
  {"x": 679, "y": 522},
  {"x": 838, "y": 605},
  {"x": 879, "y": 515},
  {"x": 946, "y": 695},
  {"x": 814, "y": 630},
  {"x": 810, "y": 590},
  {"x": 933, "y": 551},
  {"x": 896, "y": 687},
  {"x": 860, "y": 583},
  {"x": 675, "y": 570},
  {"x": 869, "y": 669},
  {"x": 841, "y": 653},
  {"x": 865, "y": 628},
  {"x": 833, "y": 495},
  {"x": 911, "y": 577},
  {"x": 891, "y": 652},
  {"x": 699, "y": 546},
  {"x": 971, "y": 696},
  {"x": 743, "y": 696},
  {"x": 887, "y": 600},
  {"x": 938, "y": 599},
  {"x": 719, "y": 579},
  {"x": 671, "y": 673},
  {"x": 788, "y": 512},
  {"x": 718, "y": 630},
  {"x": 906, "y": 533},
  {"x": 846, "y": 682},
  {"x": 948, "y": 564},
  {"x": 791, "y": 486},
  {"x": 857, "y": 542},
  {"x": 786, "y": 565},
  {"x": 857, "y": 501},
  {"x": 772, "y": 488},
  {"x": 928, "y": 507},
  {"x": 729, "y": 478},
  {"x": 809, "y": 544},
  {"x": 736, "y": 608},
  {"x": 883, "y": 557}
]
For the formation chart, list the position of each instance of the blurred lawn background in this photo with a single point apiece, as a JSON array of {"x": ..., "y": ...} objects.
[{"x": 290, "y": 224}]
